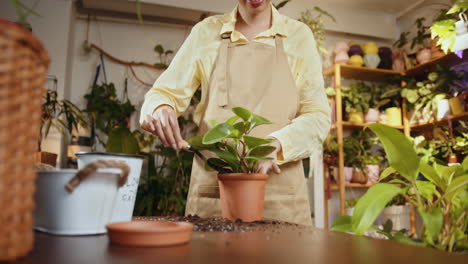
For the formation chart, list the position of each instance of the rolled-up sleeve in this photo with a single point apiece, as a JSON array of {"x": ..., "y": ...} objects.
[
  {"x": 306, "y": 133},
  {"x": 178, "y": 83}
]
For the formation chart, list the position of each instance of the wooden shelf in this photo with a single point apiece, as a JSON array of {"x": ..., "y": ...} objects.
[
  {"x": 448, "y": 60},
  {"x": 430, "y": 125},
  {"x": 352, "y": 125},
  {"x": 353, "y": 185},
  {"x": 363, "y": 73}
]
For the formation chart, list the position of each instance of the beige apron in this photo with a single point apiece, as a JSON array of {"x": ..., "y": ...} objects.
[{"x": 257, "y": 77}]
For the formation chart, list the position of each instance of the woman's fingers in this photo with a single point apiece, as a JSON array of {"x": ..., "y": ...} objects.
[
  {"x": 175, "y": 130},
  {"x": 276, "y": 168},
  {"x": 160, "y": 132},
  {"x": 267, "y": 166},
  {"x": 167, "y": 128}
]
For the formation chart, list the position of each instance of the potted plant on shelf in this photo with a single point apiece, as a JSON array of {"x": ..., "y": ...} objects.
[
  {"x": 440, "y": 198},
  {"x": 397, "y": 211},
  {"x": 420, "y": 40},
  {"x": 375, "y": 102},
  {"x": 350, "y": 148},
  {"x": 237, "y": 155},
  {"x": 60, "y": 114},
  {"x": 356, "y": 99},
  {"x": 393, "y": 98},
  {"x": 371, "y": 162},
  {"x": 330, "y": 157},
  {"x": 350, "y": 204}
]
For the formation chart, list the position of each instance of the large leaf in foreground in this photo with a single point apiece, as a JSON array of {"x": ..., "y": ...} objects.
[
  {"x": 369, "y": 206},
  {"x": 242, "y": 113},
  {"x": 400, "y": 152},
  {"x": 121, "y": 140}
]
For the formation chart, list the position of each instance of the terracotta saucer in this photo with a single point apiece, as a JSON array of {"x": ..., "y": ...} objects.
[{"x": 149, "y": 233}]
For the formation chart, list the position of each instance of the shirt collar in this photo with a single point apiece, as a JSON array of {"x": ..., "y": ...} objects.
[{"x": 277, "y": 26}]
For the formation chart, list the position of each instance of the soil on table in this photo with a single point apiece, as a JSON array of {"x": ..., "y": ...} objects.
[{"x": 209, "y": 224}]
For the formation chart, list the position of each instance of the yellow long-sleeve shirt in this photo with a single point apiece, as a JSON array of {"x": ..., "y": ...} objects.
[{"x": 193, "y": 64}]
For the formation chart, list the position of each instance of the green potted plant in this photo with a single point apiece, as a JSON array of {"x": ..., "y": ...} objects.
[
  {"x": 350, "y": 148},
  {"x": 419, "y": 41},
  {"x": 372, "y": 166},
  {"x": 392, "y": 95},
  {"x": 163, "y": 55},
  {"x": 238, "y": 154},
  {"x": 314, "y": 19},
  {"x": 330, "y": 157},
  {"x": 375, "y": 102},
  {"x": 62, "y": 115},
  {"x": 441, "y": 198},
  {"x": 356, "y": 99},
  {"x": 444, "y": 29},
  {"x": 398, "y": 212},
  {"x": 350, "y": 204}
]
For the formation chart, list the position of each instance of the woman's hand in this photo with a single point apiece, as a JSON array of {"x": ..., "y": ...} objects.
[
  {"x": 268, "y": 165},
  {"x": 163, "y": 123}
]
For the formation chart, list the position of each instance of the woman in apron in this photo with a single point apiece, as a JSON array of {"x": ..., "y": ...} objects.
[{"x": 263, "y": 61}]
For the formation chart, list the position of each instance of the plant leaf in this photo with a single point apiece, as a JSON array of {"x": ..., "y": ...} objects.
[
  {"x": 261, "y": 151},
  {"x": 197, "y": 143},
  {"x": 427, "y": 189},
  {"x": 232, "y": 120},
  {"x": 387, "y": 172},
  {"x": 253, "y": 142},
  {"x": 431, "y": 174},
  {"x": 218, "y": 162},
  {"x": 121, "y": 140},
  {"x": 159, "y": 49},
  {"x": 342, "y": 224},
  {"x": 369, "y": 206},
  {"x": 217, "y": 133},
  {"x": 432, "y": 223},
  {"x": 242, "y": 113},
  {"x": 258, "y": 121},
  {"x": 400, "y": 152},
  {"x": 456, "y": 186},
  {"x": 228, "y": 157},
  {"x": 257, "y": 158}
]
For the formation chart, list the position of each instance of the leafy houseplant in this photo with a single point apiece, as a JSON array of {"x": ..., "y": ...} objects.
[
  {"x": 314, "y": 19},
  {"x": 356, "y": 99},
  {"x": 110, "y": 116},
  {"x": 444, "y": 26},
  {"x": 60, "y": 114},
  {"x": 239, "y": 153},
  {"x": 163, "y": 56},
  {"x": 441, "y": 198}
]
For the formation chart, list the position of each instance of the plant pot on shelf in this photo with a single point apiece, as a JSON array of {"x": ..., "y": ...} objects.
[
  {"x": 436, "y": 51},
  {"x": 443, "y": 108},
  {"x": 356, "y": 117},
  {"x": 359, "y": 176},
  {"x": 373, "y": 173},
  {"x": 348, "y": 174},
  {"x": 372, "y": 116},
  {"x": 456, "y": 106},
  {"x": 393, "y": 116},
  {"x": 242, "y": 195},
  {"x": 399, "y": 215},
  {"x": 349, "y": 211},
  {"x": 46, "y": 158},
  {"x": 424, "y": 55}
]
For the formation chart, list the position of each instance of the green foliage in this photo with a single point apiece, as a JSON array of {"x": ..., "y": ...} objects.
[
  {"x": 351, "y": 203},
  {"x": 357, "y": 97},
  {"x": 444, "y": 27},
  {"x": 402, "y": 40},
  {"x": 163, "y": 56},
  {"x": 357, "y": 150},
  {"x": 23, "y": 12},
  {"x": 314, "y": 19},
  {"x": 441, "y": 201},
  {"x": 231, "y": 143},
  {"x": 59, "y": 114},
  {"x": 421, "y": 33},
  {"x": 121, "y": 140}
]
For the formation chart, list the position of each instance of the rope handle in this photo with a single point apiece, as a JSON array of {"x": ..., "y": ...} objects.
[{"x": 93, "y": 167}]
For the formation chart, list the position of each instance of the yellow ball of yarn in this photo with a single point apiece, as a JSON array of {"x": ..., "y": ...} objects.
[
  {"x": 356, "y": 60},
  {"x": 370, "y": 48}
]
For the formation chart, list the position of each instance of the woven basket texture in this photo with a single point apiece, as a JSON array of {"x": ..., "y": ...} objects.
[{"x": 23, "y": 68}]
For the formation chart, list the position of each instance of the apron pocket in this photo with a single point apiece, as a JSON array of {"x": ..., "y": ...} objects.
[
  {"x": 208, "y": 191},
  {"x": 271, "y": 191}
]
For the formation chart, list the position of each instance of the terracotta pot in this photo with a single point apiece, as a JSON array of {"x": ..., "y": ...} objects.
[
  {"x": 359, "y": 177},
  {"x": 436, "y": 51},
  {"x": 373, "y": 173},
  {"x": 398, "y": 60},
  {"x": 356, "y": 117},
  {"x": 452, "y": 159},
  {"x": 242, "y": 195},
  {"x": 400, "y": 216},
  {"x": 46, "y": 158},
  {"x": 424, "y": 55},
  {"x": 348, "y": 174},
  {"x": 372, "y": 115},
  {"x": 393, "y": 116},
  {"x": 371, "y": 60},
  {"x": 443, "y": 108},
  {"x": 456, "y": 106}
]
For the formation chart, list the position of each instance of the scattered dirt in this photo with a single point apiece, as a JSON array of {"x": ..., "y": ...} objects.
[{"x": 211, "y": 224}]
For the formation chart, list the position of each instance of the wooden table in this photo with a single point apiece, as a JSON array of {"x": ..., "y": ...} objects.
[{"x": 288, "y": 245}]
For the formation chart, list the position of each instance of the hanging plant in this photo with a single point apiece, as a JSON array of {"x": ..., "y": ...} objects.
[{"x": 314, "y": 19}]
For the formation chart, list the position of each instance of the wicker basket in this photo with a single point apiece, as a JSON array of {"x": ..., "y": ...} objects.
[{"x": 23, "y": 69}]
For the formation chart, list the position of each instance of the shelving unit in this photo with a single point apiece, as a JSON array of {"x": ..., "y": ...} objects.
[{"x": 384, "y": 76}]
